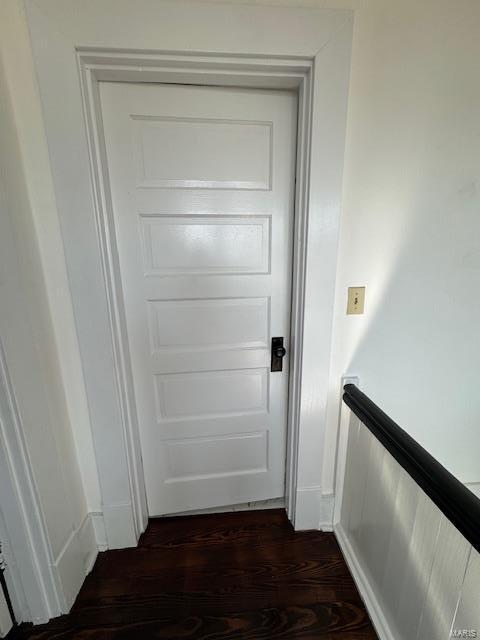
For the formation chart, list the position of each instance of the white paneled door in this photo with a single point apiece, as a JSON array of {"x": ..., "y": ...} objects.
[{"x": 202, "y": 183}]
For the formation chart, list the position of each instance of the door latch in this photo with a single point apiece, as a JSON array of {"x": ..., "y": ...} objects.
[{"x": 278, "y": 353}]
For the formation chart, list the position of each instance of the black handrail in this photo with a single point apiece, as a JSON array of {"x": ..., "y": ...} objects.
[{"x": 452, "y": 497}]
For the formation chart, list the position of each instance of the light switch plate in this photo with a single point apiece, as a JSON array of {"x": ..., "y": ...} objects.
[{"x": 356, "y": 300}]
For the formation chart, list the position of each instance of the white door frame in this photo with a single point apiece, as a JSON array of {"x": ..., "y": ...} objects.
[
  {"x": 97, "y": 66},
  {"x": 296, "y": 48}
]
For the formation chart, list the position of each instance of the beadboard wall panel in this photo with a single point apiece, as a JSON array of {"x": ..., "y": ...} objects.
[{"x": 418, "y": 575}]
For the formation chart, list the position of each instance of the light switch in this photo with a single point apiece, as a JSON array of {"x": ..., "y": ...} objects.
[{"x": 356, "y": 300}]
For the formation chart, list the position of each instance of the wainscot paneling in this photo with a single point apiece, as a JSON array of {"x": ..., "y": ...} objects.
[{"x": 418, "y": 575}]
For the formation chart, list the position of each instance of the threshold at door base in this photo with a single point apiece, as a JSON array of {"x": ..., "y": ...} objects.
[{"x": 273, "y": 503}]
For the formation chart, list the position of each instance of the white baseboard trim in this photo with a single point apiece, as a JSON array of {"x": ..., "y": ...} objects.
[
  {"x": 76, "y": 559},
  {"x": 327, "y": 505},
  {"x": 314, "y": 510},
  {"x": 69, "y": 570},
  {"x": 88, "y": 542},
  {"x": 119, "y": 526},
  {"x": 364, "y": 586},
  {"x": 99, "y": 530}
]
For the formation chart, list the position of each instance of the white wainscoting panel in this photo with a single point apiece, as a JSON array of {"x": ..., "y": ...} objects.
[
  {"x": 406, "y": 609},
  {"x": 418, "y": 576},
  {"x": 446, "y": 579},
  {"x": 468, "y": 611}
]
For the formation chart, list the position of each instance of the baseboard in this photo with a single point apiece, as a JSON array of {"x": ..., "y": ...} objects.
[
  {"x": 88, "y": 542},
  {"x": 69, "y": 570},
  {"x": 327, "y": 505},
  {"x": 364, "y": 586},
  {"x": 76, "y": 559},
  {"x": 314, "y": 510},
  {"x": 119, "y": 526},
  {"x": 99, "y": 530}
]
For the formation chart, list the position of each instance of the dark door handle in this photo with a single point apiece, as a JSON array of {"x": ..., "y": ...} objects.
[{"x": 278, "y": 353}]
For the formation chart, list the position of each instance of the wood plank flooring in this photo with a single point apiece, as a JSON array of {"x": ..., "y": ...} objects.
[{"x": 233, "y": 576}]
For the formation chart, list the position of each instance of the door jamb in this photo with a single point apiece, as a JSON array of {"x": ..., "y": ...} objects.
[{"x": 260, "y": 72}]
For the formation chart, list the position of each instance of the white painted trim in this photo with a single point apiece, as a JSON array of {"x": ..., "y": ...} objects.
[
  {"x": 314, "y": 509},
  {"x": 24, "y": 524},
  {"x": 326, "y": 160},
  {"x": 120, "y": 524},
  {"x": 327, "y": 504},
  {"x": 69, "y": 571},
  {"x": 99, "y": 530},
  {"x": 76, "y": 560},
  {"x": 342, "y": 445},
  {"x": 43, "y": 588},
  {"x": 364, "y": 587},
  {"x": 89, "y": 545},
  {"x": 315, "y": 58},
  {"x": 90, "y": 73},
  {"x": 121, "y": 532},
  {"x": 298, "y": 296}
]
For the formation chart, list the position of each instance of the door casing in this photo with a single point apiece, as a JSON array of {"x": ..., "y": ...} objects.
[
  {"x": 201, "y": 43},
  {"x": 97, "y": 66}
]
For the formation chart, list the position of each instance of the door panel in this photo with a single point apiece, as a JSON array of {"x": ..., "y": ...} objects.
[
  {"x": 202, "y": 196},
  {"x": 212, "y": 393},
  {"x": 209, "y": 323},
  {"x": 201, "y": 163},
  {"x": 203, "y": 245},
  {"x": 213, "y": 457}
]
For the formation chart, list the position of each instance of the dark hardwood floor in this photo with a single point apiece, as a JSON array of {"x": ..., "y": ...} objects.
[{"x": 235, "y": 576}]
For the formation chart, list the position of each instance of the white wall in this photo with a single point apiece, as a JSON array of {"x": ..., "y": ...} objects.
[
  {"x": 30, "y": 288},
  {"x": 21, "y": 87},
  {"x": 410, "y": 229}
]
